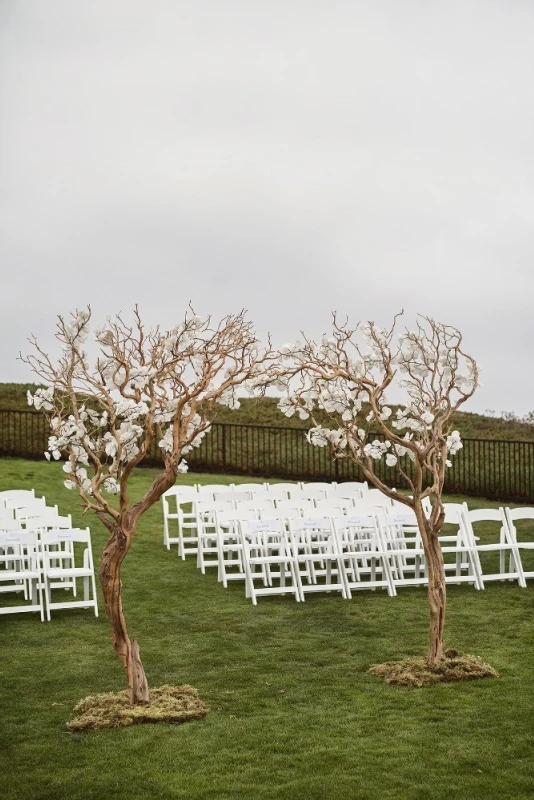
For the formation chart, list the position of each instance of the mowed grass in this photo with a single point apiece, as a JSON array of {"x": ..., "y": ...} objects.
[{"x": 294, "y": 713}]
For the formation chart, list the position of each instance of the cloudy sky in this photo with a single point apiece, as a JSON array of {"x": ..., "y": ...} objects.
[{"x": 287, "y": 157}]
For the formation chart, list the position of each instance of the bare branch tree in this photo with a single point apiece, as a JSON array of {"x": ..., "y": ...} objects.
[
  {"x": 147, "y": 386},
  {"x": 349, "y": 373}
]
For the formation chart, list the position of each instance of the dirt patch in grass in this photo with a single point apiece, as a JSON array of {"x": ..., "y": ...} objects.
[
  {"x": 416, "y": 672},
  {"x": 172, "y": 704}
]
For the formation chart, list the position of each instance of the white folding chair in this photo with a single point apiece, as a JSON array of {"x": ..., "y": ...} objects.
[
  {"x": 268, "y": 557},
  {"x": 179, "y": 496},
  {"x": 504, "y": 546},
  {"x": 207, "y": 548},
  {"x": 19, "y": 571},
  {"x": 52, "y": 521},
  {"x": 524, "y": 537},
  {"x": 404, "y": 545},
  {"x": 365, "y": 553},
  {"x": 56, "y": 574},
  {"x": 319, "y": 559},
  {"x": 230, "y": 561},
  {"x": 465, "y": 567}
]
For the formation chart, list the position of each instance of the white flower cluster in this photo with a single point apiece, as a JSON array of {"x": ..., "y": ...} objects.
[
  {"x": 454, "y": 443},
  {"x": 77, "y": 331},
  {"x": 229, "y": 398},
  {"x": 43, "y": 398},
  {"x": 410, "y": 417}
]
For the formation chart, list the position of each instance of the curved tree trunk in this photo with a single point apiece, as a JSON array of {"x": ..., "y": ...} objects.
[
  {"x": 437, "y": 597},
  {"x": 437, "y": 591},
  {"x": 127, "y": 649}
]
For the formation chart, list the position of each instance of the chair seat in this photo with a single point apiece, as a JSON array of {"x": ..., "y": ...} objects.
[
  {"x": 13, "y": 575},
  {"x": 75, "y": 572}
]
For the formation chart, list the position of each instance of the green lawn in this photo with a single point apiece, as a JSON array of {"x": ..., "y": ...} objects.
[{"x": 293, "y": 712}]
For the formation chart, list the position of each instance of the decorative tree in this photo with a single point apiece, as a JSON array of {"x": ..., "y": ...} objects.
[
  {"x": 146, "y": 387},
  {"x": 347, "y": 375}
]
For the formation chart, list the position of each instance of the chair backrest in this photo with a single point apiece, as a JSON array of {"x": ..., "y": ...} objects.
[
  {"x": 235, "y": 515},
  {"x": 214, "y": 505},
  {"x": 250, "y": 487},
  {"x": 14, "y": 496},
  {"x": 57, "y": 536},
  {"x": 50, "y": 522},
  {"x": 514, "y": 514},
  {"x": 485, "y": 515},
  {"x": 181, "y": 490},
  {"x": 400, "y": 517},
  {"x": 21, "y": 505},
  {"x": 339, "y": 503},
  {"x": 358, "y": 486},
  {"x": 36, "y": 510},
  {"x": 211, "y": 488},
  {"x": 371, "y": 506},
  {"x": 309, "y": 494},
  {"x": 325, "y": 486},
  {"x": 9, "y": 524},
  {"x": 18, "y": 538},
  {"x": 274, "y": 492},
  {"x": 355, "y": 521},
  {"x": 290, "y": 488},
  {"x": 314, "y": 523},
  {"x": 281, "y": 513},
  {"x": 271, "y": 525},
  {"x": 378, "y": 496},
  {"x": 328, "y": 509},
  {"x": 237, "y": 497},
  {"x": 256, "y": 504},
  {"x": 302, "y": 505},
  {"x": 454, "y": 513}
]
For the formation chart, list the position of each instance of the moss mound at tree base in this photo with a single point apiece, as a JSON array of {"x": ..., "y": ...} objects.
[
  {"x": 417, "y": 672},
  {"x": 172, "y": 704}
]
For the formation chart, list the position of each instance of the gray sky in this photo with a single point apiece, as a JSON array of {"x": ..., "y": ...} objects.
[{"x": 287, "y": 157}]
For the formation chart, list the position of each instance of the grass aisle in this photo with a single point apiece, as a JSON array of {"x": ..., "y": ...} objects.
[{"x": 293, "y": 712}]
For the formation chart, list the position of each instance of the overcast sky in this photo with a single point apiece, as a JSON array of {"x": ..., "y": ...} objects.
[{"x": 287, "y": 157}]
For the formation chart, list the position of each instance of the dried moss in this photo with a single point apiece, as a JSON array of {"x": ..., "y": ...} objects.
[
  {"x": 173, "y": 704},
  {"x": 416, "y": 672}
]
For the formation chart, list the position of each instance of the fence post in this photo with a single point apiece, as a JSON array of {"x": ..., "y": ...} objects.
[{"x": 224, "y": 446}]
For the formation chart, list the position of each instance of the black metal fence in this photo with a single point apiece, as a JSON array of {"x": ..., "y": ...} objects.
[{"x": 484, "y": 467}]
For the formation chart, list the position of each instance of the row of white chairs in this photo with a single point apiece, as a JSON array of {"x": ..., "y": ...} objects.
[
  {"x": 386, "y": 537},
  {"x": 38, "y": 555},
  {"x": 181, "y": 503}
]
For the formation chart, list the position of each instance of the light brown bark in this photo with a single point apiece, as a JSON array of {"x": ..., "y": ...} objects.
[
  {"x": 127, "y": 649},
  {"x": 437, "y": 591},
  {"x": 437, "y": 597}
]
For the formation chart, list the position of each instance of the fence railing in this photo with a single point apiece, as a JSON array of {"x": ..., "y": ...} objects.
[{"x": 489, "y": 468}]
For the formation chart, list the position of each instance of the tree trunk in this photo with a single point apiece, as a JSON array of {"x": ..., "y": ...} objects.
[
  {"x": 127, "y": 649},
  {"x": 437, "y": 596},
  {"x": 437, "y": 591}
]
